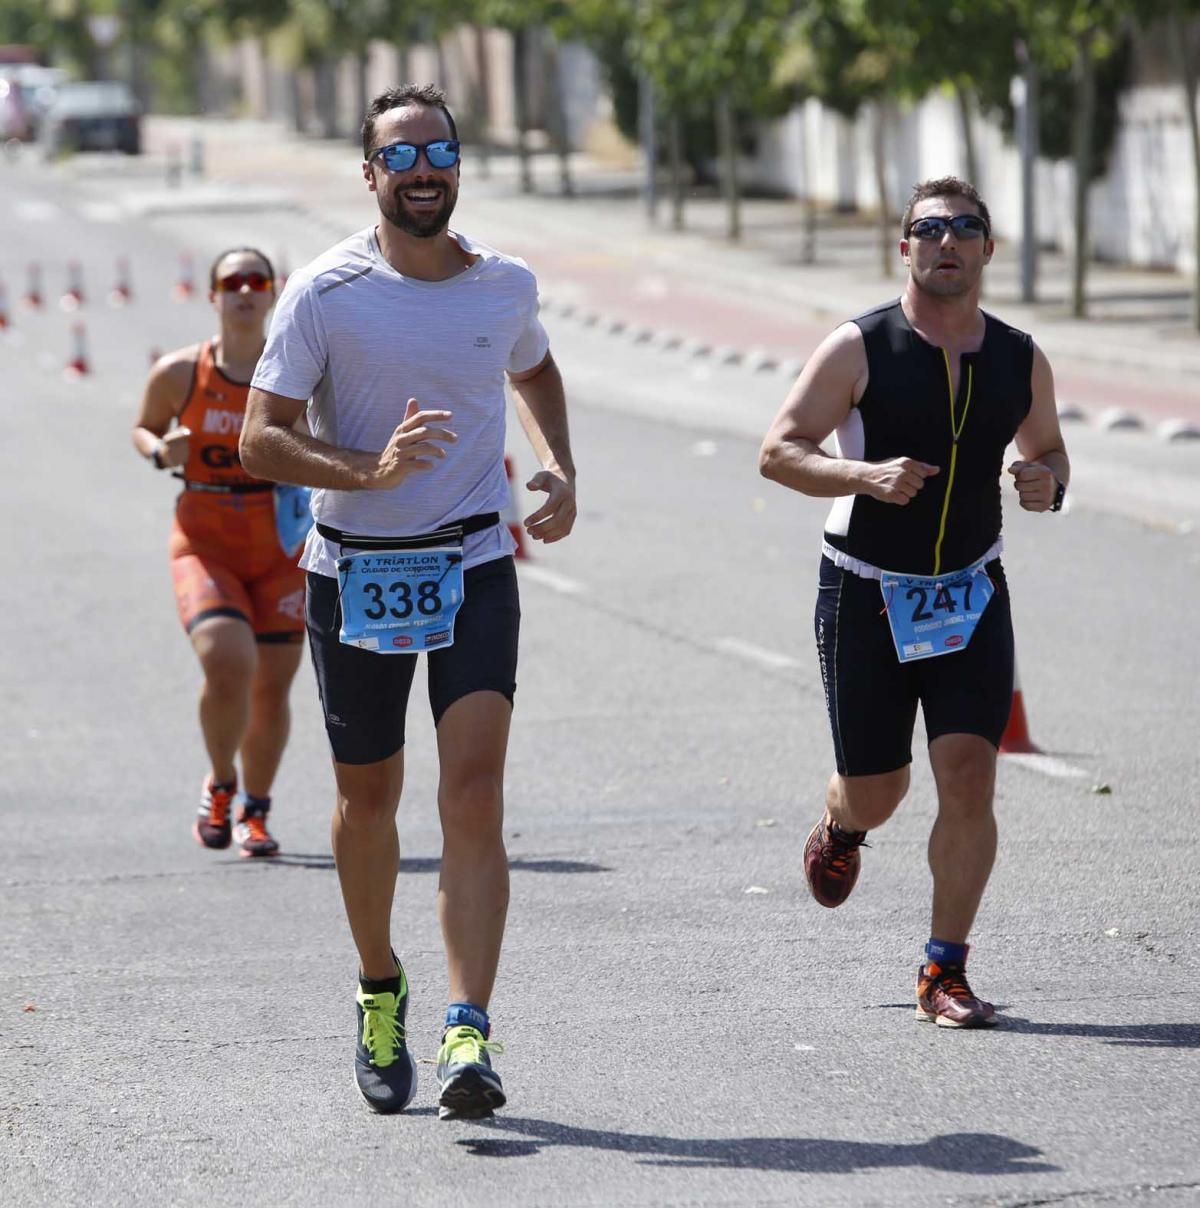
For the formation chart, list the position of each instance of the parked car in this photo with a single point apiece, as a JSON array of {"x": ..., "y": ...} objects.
[{"x": 92, "y": 115}]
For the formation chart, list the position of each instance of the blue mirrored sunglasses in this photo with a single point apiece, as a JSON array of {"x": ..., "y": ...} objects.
[
  {"x": 399, "y": 157},
  {"x": 965, "y": 226}
]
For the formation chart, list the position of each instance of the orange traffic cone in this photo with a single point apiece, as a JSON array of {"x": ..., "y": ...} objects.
[
  {"x": 1016, "y": 740},
  {"x": 78, "y": 366},
  {"x": 73, "y": 298},
  {"x": 122, "y": 290},
  {"x": 185, "y": 285},
  {"x": 511, "y": 516},
  {"x": 33, "y": 286}
]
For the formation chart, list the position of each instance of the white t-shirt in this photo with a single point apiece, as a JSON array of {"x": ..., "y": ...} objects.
[{"x": 358, "y": 340}]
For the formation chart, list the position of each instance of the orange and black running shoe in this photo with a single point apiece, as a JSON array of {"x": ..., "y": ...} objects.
[
  {"x": 831, "y": 862},
  {"x": 212, "y": 826},
  {"x": 945, "y": 998},
  {"x": 252, "y": 835}
]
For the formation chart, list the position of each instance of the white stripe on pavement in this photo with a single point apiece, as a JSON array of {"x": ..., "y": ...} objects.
[
  {"x": 1048, "y": 765},
  {"x": 36, "y": 211},
  {"x": 550, "y": 578},
  {"x": 756, "y": 654}
]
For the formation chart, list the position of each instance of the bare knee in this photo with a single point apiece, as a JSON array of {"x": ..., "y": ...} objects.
[
  {"x": 964, "y": 768},
  {"x": 866, "y": 802},
  {"x": 368, "y": 794},
  {"x": 472, "y": 806}
]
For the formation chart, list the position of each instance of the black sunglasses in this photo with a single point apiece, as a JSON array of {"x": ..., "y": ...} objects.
[
  {"x": 399, "y": 157},
  {"x": 231, "y": 283},
  {"x": 965, "y": 226}
]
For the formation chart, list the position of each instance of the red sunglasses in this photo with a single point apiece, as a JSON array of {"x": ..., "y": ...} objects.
[{"x": 232, "y": 284}]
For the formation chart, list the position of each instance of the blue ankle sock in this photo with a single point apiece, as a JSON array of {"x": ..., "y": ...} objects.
[
  {"x": 468, "y": 1015},
  {"x": 946, "y": 953},
  {"x": 256, "y": 805}
]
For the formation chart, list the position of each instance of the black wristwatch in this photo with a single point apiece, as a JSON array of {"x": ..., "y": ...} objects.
[
  {"x": 1060, "y": 493},
  {"x": 157, "y": 458}
]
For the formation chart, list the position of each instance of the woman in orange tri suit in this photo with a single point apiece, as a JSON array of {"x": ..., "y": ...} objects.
[{"x": 239, "y": 593}]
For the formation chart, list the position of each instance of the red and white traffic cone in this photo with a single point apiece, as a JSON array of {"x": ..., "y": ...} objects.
[
  {"x": 33, "y": 286},
  {"x": 511, "y": 516},
  {"x": 122, "y": 291},
  {"x": 3, "y": 306},
  {"x": 73, "y": 298},
  {"x": 185, "y": 284},
  {"x": 281, "y": 271},
  {"x": 1016, "y": 740},
  {"x": 78, "y": 366}
]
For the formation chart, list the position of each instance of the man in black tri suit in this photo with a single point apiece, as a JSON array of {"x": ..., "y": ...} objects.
[{"x": 922, "y": 395}]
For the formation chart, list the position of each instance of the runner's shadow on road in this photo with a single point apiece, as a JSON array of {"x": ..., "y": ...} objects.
[
  {"x": 1130, "y": 1035},
  {"x": 324, "y": 860},
  {"x": 958, "y": 1153}
]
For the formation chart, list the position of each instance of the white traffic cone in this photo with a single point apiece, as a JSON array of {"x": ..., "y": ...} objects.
[
  {"x": 78, "y": 366},
  {"x": 511, "y": 516},
  {"x": 72, "y": 299}
]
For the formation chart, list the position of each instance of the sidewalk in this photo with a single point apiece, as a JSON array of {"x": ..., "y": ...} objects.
[{"x": 599, "y": 259}]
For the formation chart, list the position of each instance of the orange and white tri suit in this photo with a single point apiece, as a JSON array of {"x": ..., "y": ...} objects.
[{"x": 226, "y": 560}]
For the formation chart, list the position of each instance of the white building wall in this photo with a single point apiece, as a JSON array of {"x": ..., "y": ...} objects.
[{"x": 1141, "y": 210}]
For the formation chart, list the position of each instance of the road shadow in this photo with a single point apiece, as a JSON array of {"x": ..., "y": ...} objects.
[
  {"x": 959, "y": 1153},
  {"x": 426, "y": 864},
  {"x": 1132, "y": 1035}
]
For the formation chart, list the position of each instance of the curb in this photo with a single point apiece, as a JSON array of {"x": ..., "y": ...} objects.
[{"x": 758, "y": 360}]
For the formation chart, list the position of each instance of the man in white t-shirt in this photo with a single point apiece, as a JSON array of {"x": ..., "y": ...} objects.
[{"x": 399, "y": 339}]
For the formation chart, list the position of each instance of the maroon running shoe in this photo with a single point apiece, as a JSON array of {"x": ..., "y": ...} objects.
[
  {"x": 252, "y": 835},
  {"x": 831, "y": 862},
  {"x": 212, "y": 827},
  {"x": 945, "y": 998}
]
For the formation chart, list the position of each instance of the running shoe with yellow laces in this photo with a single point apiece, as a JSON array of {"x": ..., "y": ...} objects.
[
  {"x": 250, "y": 832},
  {"x": 212, "y": 827},
  {"x": 944, "y": 997},
  {"x": 831, "y": 861},
  {"x": 470, "y": 1088},
  {"x": 383, "y": 1067}
]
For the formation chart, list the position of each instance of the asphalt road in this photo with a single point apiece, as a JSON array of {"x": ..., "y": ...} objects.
[{"x": 683, "y": 1025}]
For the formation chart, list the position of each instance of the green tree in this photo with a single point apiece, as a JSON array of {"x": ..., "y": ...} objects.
[{"x": 713, "y": 57}]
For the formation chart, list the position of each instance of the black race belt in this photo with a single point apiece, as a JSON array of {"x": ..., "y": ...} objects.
[{"x": 448, "y": 532}]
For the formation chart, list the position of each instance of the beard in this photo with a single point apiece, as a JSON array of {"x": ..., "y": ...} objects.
[
  {"x": 423, "y": 225},
  {"x": 945, "y": 287}
]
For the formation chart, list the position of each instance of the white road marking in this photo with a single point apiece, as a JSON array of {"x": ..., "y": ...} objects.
[
  {"x": 551, "y": 579},
  {"x": 101, "y": 211},
  {"x": 1048, "y": 765},
  {"x": 756, "y": 654},
  {"x": 37, "y": 211}
]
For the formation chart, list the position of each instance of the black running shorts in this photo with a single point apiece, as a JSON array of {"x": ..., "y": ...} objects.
[
  {"x": 872, "y": 697},
  {"x": 364, "y": 695}
]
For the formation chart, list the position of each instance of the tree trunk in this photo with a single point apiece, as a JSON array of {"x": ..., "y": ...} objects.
[
  {"x": 362, "y": 85},
  {"x": 295, "y": 99},
  {"x": 560, "y": 129},
  {"x": 1027, "y": 137},
  {"x": 808, "y": 247},
  {"x": 483, "y": 118},
  {"x": 886, "y": 234},
  {"x": 727, "y": 143},
  {"x": 675, "y": 165},
  {"x": 1085, "y": 108},
  {"x": 966, "y": 105},
  {"x": 1188, "y": 74},
  {"x": 520, "y": 61}
]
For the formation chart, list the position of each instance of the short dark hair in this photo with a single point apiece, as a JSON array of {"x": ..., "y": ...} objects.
[
  {"x": 429, "y": 95},
  {"x": 233, "y": 251},
  {"x": 944, "y": 186}
]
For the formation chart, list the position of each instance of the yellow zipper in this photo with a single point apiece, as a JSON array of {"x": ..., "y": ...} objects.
[{"x": 955, "y": 433}]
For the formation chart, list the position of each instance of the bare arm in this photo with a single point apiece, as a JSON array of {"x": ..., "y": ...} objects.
[
  {"x": 274, "y": 446},
  {"x": 830, "y": 384},
  {"x": 1044, "y": 462},
  {"x": 542, "y": 409},
  {"x": 162, "y": 400}
]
